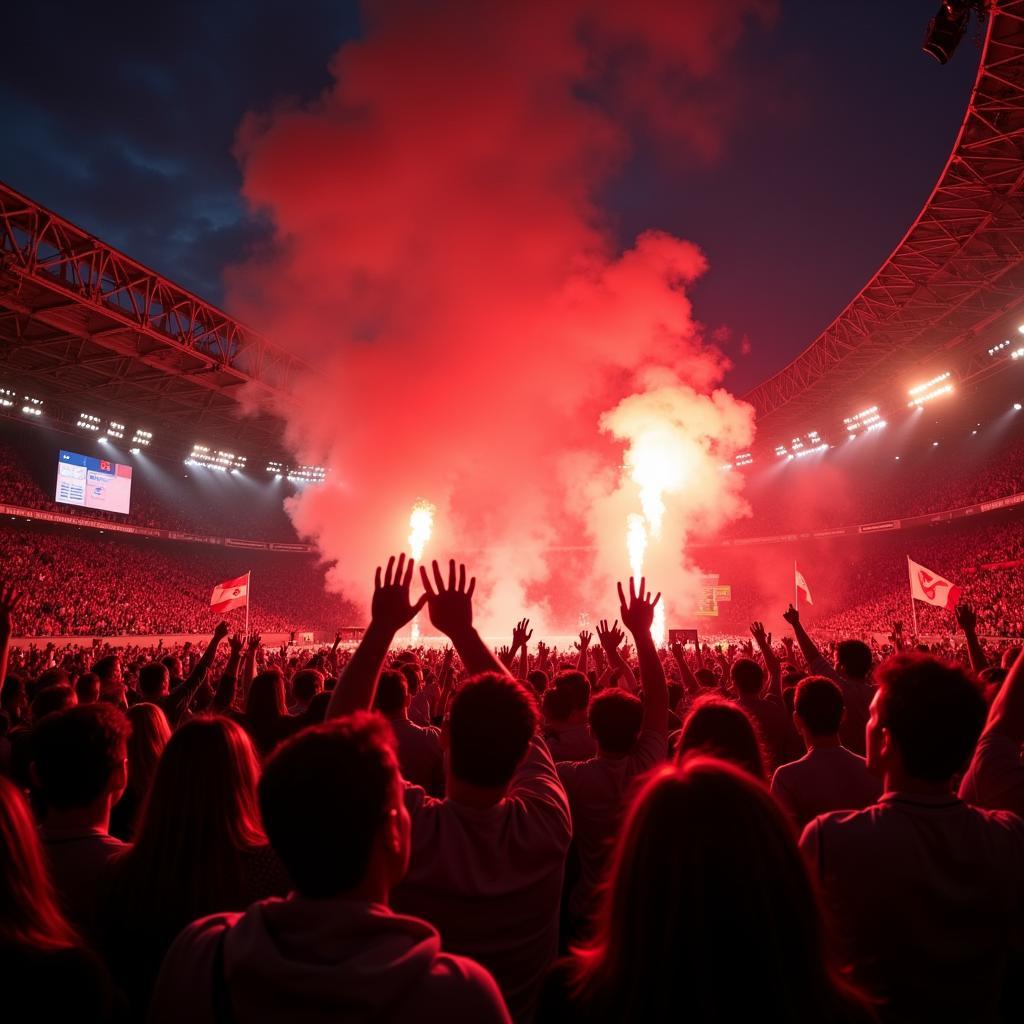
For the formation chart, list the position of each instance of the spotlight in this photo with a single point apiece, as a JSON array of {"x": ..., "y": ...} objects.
[
  {"x": 946, "y": 29},
  {"x": 1017, "y": 406},
  {"x": 929, "y": 390},
  {"x": 134, "y": 451},
  {"x": 103, "y": 439}
]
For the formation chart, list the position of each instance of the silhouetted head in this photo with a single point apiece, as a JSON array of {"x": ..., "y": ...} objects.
[
  {"x": 349, "y": 766},
  {"x": 154, "y": 680},
  {"x": 853, "y": 659},
  {"x": 818, "y": 705},
  {"x": 80, "y": 755},
  {"x": 492, "y": 720},
  {"x": 925, "y": 719},
  {"x": 721, "y": 728},
  {"x": 615, "y": 719},
  {"x": 706, "y": 860},
  {"x": 747, "y": 676},
  {"x": 392, "y": 693}
]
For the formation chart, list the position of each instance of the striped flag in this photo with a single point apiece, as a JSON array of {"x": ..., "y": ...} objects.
[
  {"x": 801, "y": 584},
  {"x": 230, "y": 594}
]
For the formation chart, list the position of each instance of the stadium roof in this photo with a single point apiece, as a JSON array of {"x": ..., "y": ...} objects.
[
  {"x": 86, "y": 327},
  {"x": 82, "y": 326},
  {"x": 950, "y": 285}
]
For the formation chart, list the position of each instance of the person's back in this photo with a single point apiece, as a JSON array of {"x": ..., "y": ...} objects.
[
  {"x": 420, "y": 754},
  {"x": 769, "y": 713},
  {"x": 570, "y": 739},
  {"x": 705, "y": 862},
  {"x": 488, "y": 871},
  {"x": 199, "y": 849},
  {"x": 928, "y": 892},
  {"x": 79, "y": 761},
  {"x": 46, "y": 973},
  {"x": 828, "y": 777},
  {"x": 333, "y": 950},
  {"x": 599, "y": 788}
]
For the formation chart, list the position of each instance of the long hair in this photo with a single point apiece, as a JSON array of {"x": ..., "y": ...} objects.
[
  {"x": 200, "y": 817},
  {"x": 150, "y": 734},
  {"x": 29, "y": 915},
  {"x": 721, "y": 728},
  {"x": 707, "y": 877},
  {"x": 267, "y": 696},
  {"x": 266, "y": 709}
]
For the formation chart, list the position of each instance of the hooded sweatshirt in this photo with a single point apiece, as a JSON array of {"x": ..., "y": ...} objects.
[{"x": 321, "y": 962}]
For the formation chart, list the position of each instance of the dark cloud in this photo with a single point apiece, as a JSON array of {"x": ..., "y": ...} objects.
[
  {"x": 124, "y": 122},
  {"x": 123, "y": 119}
]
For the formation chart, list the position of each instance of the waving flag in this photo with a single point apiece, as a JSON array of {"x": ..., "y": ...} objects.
[
  {"x": 931, "y": 588},
  {"x": 230, "y": 594},
  {"x": 801, "y": 584}
]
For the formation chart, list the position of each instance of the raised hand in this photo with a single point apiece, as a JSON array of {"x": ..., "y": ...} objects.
[
  {"x": 254, "y": 643},
  {"x": 390, "y": 608},
  {"x": 584, "y": 641},
  {"x": 747, "y": 647},
  {"x": 609, "y": 638},
  {"x": 763, "y": 639},
  {"x": 221, "y": 631},
  {"x": 9, "y": 601},
  {"x": 235, "y": 643},
  {"x": 792, "y": 616},
  {"x": 505, "y": 654},
  {"x": 638, "y": 614},
  {"x": 521, "y": 634},
  {"x": 967, "y": 618},
  {"x": 451, "y": 607}
]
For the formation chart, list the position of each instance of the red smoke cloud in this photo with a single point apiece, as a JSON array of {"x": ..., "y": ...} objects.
[{"x": 441, "y": 256}]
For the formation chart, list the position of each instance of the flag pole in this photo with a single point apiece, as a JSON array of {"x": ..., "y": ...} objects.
[
  {"x": 248, "y": 599},
  {"x": 796, "y": 589},
  {"x": 913, "y": 607}
]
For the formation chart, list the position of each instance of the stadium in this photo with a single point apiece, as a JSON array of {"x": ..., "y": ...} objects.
[
  {"x": 104, "y": 357},
  {"x": 243, "y": 778}
]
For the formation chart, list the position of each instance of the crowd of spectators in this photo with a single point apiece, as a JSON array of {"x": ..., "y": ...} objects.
[
  {"x": 235, "y": 832},
  {"x": 860, "y": 585},
  {"x": 85, "y": 583}
]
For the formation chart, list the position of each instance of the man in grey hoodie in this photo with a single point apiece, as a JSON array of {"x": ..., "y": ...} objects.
[{"x": 332, "y": 805}]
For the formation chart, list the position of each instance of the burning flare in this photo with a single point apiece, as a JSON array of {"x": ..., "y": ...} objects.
[
  {"x": 657, "y": 464},
  {"x": 421, "y": 526}
]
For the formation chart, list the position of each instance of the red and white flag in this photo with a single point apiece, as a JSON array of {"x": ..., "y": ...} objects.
[
  {"x": 801, "y": 584},
  {"x": 230, "y": 594},
  {"x": 931, "y": 588}
]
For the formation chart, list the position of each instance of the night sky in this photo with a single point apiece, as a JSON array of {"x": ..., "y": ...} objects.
[{"x": 123, "y": 121}]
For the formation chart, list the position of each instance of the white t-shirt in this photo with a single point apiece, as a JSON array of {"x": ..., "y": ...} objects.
[
  {"x": 928, "y": 897},
  {"x": 598, "y": 791},
  {"x": 490, "y": 879},
  {"x": 825, "y": 779}
]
